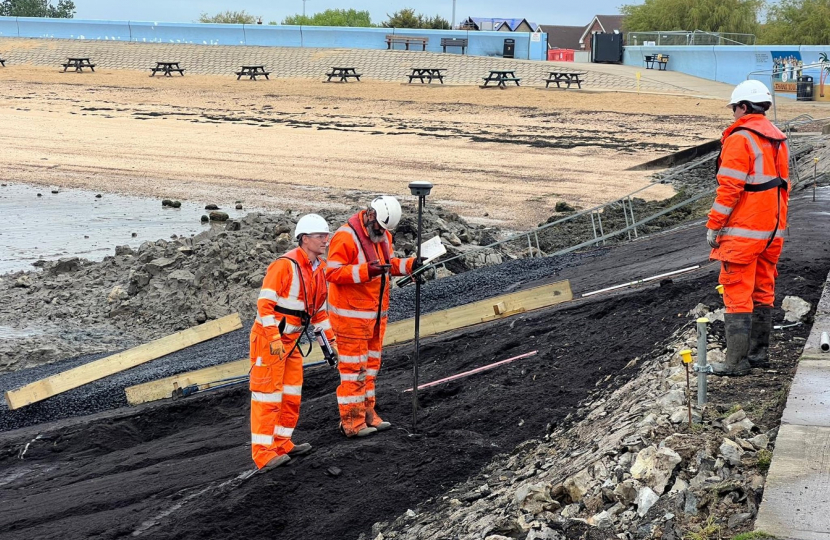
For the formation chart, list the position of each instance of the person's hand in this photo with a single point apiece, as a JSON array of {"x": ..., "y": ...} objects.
[
  {"x": 376, "y": 269},
  {"x": 276, "y": 348},
  {"x": 712, "y": 238},
  {"x": 417, "y": 262},
  {"x": 335, "y": 355}
]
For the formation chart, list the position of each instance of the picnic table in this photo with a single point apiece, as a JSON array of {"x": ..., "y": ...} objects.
[
  {"x": 167, "y": 68},
  {"x": 427, "y": 73},
  {"x": 501, "y": 76},
  {"x": 253, "y": 72},
  {"x": 565, "y": 77},
  {"x": 662, "y": 60},
  {"x": 78, "y": 63},
  {"x": 344, "y": 73}
]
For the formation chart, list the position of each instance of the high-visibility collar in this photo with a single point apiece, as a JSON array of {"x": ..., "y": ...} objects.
[
  {"x": 756, "y": 123},
  {"x": 356, "y": 223}
]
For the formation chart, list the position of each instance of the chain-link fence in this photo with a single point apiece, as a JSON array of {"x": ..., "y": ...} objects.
[{"x": 697, "y": 37}]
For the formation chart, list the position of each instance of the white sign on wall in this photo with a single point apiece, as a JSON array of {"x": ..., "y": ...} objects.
[{"x": 535, "y": 37}]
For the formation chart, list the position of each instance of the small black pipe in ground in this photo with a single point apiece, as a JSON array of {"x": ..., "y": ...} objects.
[{"x": 420, "y": 190}]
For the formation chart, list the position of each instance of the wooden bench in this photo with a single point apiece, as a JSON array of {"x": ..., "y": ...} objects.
[
  {"x": 253, "y": 72},
  {"x": 391, "y": 39},
  {"x": 454, "y": 42},
  {"x": 79, "y": 64},
  {"x": 662, "y": 60},
  {"x": 501, "y": 77},
  {"x": 344, "y": 73},
  {"x": 427, "y": 73},
  {"x": 565, "y": 77},
  {"x": 167, "y": 68}
]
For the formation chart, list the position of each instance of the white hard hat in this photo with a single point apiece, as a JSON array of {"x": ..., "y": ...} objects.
[
  {"x": 388, "y": 211},
  {"x": 311, "y": 224},
  {"x": 751, "y": 91}
]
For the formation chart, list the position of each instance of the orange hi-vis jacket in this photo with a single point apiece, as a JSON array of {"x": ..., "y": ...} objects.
[
  {"x": 356, "y": 302},
  {"x": 290, "y": 288},
  {"x": 750, "y": 207}
]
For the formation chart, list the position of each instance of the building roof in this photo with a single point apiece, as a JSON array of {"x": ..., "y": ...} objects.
[
  {"x": 512, "y": 24},
  {"x": 608, "y": 23},
  {"x": 563, "y": 37}
]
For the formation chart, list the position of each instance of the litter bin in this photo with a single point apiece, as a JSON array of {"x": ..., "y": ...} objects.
[
  {"x": 509, "y": 48},
  {"x": 804, "y": 88}
]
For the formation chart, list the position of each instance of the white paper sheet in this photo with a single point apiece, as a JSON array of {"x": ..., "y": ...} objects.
[{"x": 432, "y": 249}]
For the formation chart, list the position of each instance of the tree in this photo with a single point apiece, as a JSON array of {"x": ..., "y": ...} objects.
[
  {"x": 798, "y": 22},
  {"x": 37, "y": 8},
  {"x": 730, "y": 16},
  {"x": 407, "y": 18},
  {"x": 229, "y": 17},
  {"x": 332, "y": 17}
]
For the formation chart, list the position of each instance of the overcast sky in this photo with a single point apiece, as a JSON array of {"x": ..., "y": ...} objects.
[{"x": 552, "y": 12}]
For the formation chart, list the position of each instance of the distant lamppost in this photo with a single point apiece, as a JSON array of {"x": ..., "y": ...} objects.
[
  {"x": 304, "y": 1},
  {"x": 453, "y": 15}
]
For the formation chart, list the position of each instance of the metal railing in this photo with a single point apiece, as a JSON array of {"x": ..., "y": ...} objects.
[
  {"x": 681, "y": 37},
  {"x": 767, "y": 76},
  {"x": 632, "y": 227}
]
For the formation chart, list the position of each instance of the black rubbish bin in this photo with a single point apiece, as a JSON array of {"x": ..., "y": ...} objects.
[
  {"x": 509, "y": 48},
  {"x": 804, "y": 88}
]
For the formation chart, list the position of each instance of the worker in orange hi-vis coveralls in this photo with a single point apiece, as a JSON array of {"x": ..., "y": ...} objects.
[
  {"x": 293, "y": 296},
  {"x": 746, "y": 225},
  {"x": 359, "y": 263}
]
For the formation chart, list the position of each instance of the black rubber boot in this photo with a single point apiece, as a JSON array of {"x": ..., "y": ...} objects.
[
  {"x": 759, "y": 337},
  {"x": 738, "y": 327}
]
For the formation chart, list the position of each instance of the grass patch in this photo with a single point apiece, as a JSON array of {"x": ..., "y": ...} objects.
[
  {"x": 708, "y": 531},
  {"x": 735, "y": 408},
  {"x": 759, "y": 535},
  {"x": 764, "y": 459}
]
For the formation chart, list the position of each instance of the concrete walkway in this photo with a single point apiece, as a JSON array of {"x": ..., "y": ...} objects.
[
  {"x": 796, "y": 502},
  {"x": 382, "y": 65}
]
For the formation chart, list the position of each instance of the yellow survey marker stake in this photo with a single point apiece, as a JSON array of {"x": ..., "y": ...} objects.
[
  {"x": 686, "y": 356},
  {"x": 719, "y": 288},
  {"x": 98, "y": 369},
  {"x": 638, "y": 75},
  {"x": 397, "y": 332}
]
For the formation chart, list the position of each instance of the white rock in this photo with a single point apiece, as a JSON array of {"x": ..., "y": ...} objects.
[
  {"x": 679, "y": 485},
  {"x": 645, "y": 500},
  {"x": 795, "y": 308},
  {"x": 570, "y": 511},
  {"x": 117, "y": 294},
  {"x": 760, "y": 441},
  {"x": 603, "y": 520},
  {"x": 411, "y": 513},
  {"x": 655, "y": 466},
  {"x": 739, "y": 428},
  {"x": 672, "y": 399},
  {"x": 735, "y": 417},
  {"x": 698, "y": 311},
  {"x": 577, "y": 485},
  {"x": 731, "y": 452},
  {"x": 716, "y": 315}
]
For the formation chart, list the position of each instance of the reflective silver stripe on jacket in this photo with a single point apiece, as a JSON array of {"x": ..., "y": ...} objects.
[
  {"x": 721, "y": 208},
  {"x": 262, "y": 397},
  {"x": 749, "y": 233},
  {"x": 266, "y": 440},
  {"x": 370, "y": 393},
  {"x": 353, "y": 313},
  {"x": 374, "y": 354},
  {"x": 352, "y": 377},
  {"x": 733, "y": 173},
  {"x": 334, "y": 264},
  {"x": 372, "y": 372},
  {"x": 268, "y": 320},
  {"x": 268, "y": 294},
  {"x": 759, "y": 177},
  {"x": 356, "y": 273},
  {"x": 402, "y": 266},
  {"x": 323, "y": 325},
  {"x": 361, "y": 257}
]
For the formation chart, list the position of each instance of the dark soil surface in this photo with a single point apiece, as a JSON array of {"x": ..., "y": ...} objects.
[{"x": 175, "y": 470}]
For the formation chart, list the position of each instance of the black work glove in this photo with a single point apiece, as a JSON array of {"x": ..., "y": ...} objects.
[
  {"x": 417, "y": 262},
  {"x": 376, "y": 269}
]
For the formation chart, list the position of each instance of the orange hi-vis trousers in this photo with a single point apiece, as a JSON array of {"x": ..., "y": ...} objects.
[
  {"x": 746, "y": 286},
  {"x": 276, "y": 388},
  {"x": 359, "y": 364}
]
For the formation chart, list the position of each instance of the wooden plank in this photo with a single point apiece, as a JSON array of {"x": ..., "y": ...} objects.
[
  {"x": 397, "y": 332},
  {"x": 98, "y": 369}
]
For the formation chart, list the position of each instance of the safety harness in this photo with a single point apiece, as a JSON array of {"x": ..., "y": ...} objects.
[
  {"x": 371, "y": 254},
  {"x": 304, "y": 316},
  {"x": 776, "y": 182}
]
